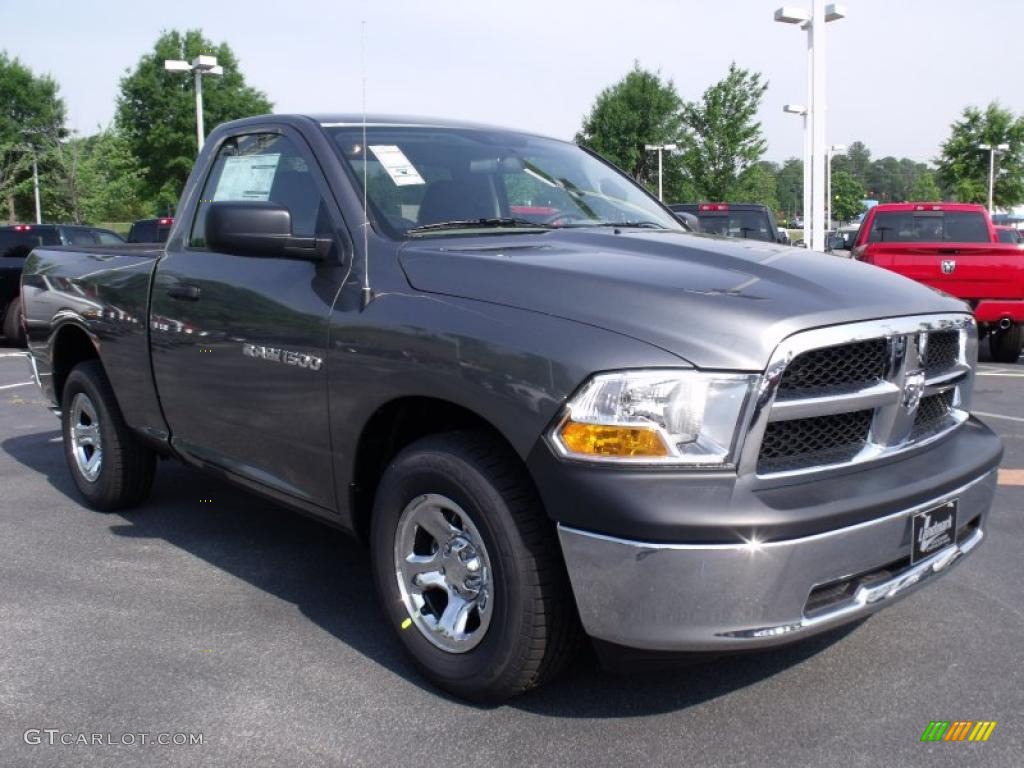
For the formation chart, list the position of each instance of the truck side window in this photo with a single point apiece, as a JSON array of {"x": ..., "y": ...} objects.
[
  {"x": 108, "y": 238},
  {"x": 263, "y": 167}
]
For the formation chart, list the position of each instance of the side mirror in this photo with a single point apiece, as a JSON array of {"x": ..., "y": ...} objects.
[
  {"x": 835, "y": 243},
  {"x": 259, "y": 229},
  {"x": 688, "y": 219}
]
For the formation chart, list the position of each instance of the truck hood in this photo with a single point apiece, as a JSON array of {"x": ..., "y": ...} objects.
[{"x": 714, "y": 302}]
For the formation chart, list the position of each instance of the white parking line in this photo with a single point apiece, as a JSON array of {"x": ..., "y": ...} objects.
[
  {"x": 998, "y": 416},
  {"x": 13, "y": 354},
  {"x": 1000, "y": 373},
  {"x": 12, "y": 386}
]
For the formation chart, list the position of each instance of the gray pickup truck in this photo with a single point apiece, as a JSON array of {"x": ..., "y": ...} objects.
[{"x": 549, "y": 409}]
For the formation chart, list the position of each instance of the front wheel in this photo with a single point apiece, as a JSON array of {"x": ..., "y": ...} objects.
[
  {"x": 111, "y": 467},
  {"x": 468, "y": 570},
  {"x": 1004, "y": 345},
  {"x": 12, "y": 323}
]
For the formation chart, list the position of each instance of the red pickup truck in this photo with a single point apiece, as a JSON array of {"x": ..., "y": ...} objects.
[{"x": 954, "y": 248}]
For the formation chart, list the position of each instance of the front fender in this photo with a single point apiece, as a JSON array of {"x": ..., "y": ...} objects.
[{"x": 513, "y": 368}]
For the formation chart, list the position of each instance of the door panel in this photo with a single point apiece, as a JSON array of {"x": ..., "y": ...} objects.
[{"x": 239, "y": 341}]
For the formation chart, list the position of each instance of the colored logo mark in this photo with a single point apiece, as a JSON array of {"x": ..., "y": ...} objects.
[{"x": 958, "y": 730}]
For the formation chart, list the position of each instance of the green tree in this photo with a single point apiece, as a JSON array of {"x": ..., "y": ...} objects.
[
  {"x": 60, "y": 178},
  {"x": 30, "y": 108},
  {"x": 113, "y": 180},
  {"x": 723, "y": 138},
  {"x": 757, "y": 184},
  {"x": 156, "y": 109},
  {"x": 964, "y": 169},
  {"x": 857, "y": 161},
  {"x": 925, "y": 189},
  {"x": 638, "y": 110},
  {"x": 847, "y": 196},
  {"x": 891, "y": 179},
  {"x": 789, "y": 185}
]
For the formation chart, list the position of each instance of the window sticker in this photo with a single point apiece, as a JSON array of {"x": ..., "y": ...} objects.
[
  {"x": 248, "y": 177},
  {"x": 397, "y": 165}
]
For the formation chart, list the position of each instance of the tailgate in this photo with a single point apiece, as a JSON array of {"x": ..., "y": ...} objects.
[{"x": 965, "y": 270}]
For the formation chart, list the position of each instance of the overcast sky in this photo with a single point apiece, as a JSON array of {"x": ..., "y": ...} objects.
[{"x": 899, "y": 71}]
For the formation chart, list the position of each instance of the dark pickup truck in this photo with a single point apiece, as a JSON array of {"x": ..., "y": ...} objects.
[
  {"x": 545, "y": 405},
  {"x": 16, "y": 242},
  {"x": 750, "y": 221}
]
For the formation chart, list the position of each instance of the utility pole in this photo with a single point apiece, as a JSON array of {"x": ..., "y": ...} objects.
[
  {"x": 659, "y": 148},
  {"x": 992, "y": 151},
  {"x": 813, "y": 22},
  {"x": 835, "y": 149},
  {"x": 201, "y": 65}
]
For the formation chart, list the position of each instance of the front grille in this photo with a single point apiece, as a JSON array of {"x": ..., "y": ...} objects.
[
  {"x": 862, "y": 362},
  {"x": 832, "y": 400},
  {"x": 942, "y": 352},
  {"x": 933, "y": 411},
  {"x": 800, "y": 443}
]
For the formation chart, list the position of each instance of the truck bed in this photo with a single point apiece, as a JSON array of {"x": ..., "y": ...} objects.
[{"x": 104, "y": 289}]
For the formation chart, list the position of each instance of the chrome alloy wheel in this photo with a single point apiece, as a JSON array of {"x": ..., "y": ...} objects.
[
  {"x": 444, "y": 573},
  {"x": 86, "y": 442}
]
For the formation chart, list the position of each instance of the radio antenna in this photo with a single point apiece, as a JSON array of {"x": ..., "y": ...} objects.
[{"x": 367, "y": 292}]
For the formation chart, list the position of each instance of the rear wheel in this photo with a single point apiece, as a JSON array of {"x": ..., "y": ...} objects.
[
  {"x": 468, "y": 568},
  {"x": 1004, "y": 345},
  {"x": 13, "y": 331},
  {"x": 112, "y": 468}
]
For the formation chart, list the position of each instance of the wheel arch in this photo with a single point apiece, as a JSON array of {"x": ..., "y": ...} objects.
[
  {"x": 71, "y": 344},
  {"x": 395, "y": 425}
]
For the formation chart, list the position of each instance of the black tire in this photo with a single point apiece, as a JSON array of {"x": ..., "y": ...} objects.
[
  {"x": 13, "y": 331},
  {"x": 124, "y": 474},
  {"x": 533, "y": 630},
  {"x": 1004, "y": 346}
]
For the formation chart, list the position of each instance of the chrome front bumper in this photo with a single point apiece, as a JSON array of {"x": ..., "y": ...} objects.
[{"x": 719, "y": 597}]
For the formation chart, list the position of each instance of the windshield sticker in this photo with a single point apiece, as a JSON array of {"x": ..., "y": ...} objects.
[
  {"x": 248, "y": 177},
  {"x": 397, "y": 165}
]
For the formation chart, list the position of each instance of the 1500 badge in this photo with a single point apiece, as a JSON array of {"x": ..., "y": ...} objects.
[{"x": 286, "y": 356}]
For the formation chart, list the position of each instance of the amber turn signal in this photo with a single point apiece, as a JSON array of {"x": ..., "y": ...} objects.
[{"x": 601, "y": 440}]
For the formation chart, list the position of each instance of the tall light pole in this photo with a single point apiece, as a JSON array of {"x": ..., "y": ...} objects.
[
  {"x": 813, "y": 22},
  {"x": 659, "y": 148},
  {"x": 201, "y": 65},
  {"x": 992, "y": 151},
  {"x": 796, "y": 109},
  {"x": 835, "y": 149}
]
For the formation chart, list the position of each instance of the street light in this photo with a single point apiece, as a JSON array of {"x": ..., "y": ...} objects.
[
  {"x": 659, "y": 148},
  {"x": 201, "y": 65},
  {"x": 992, "y": 151},
  {"x": 835, "y": 149},
  {"x": 797, "y": 109},
  {"x": 812, "y": 21}
]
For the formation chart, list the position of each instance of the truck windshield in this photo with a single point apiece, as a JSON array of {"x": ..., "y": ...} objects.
[
  {"x": 424, "y": 181},
  {"x": 929, "y": 227},
  {"x": 753, "y": 225}
]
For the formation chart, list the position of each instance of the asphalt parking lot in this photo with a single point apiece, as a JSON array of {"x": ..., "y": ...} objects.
[{"x": 213, "y": 612}]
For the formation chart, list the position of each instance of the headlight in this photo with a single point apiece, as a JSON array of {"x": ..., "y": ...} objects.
[{"x": 679, "y": 417}]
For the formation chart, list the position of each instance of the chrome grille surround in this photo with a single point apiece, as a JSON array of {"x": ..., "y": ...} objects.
[{"x": 911, "y": 377}]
